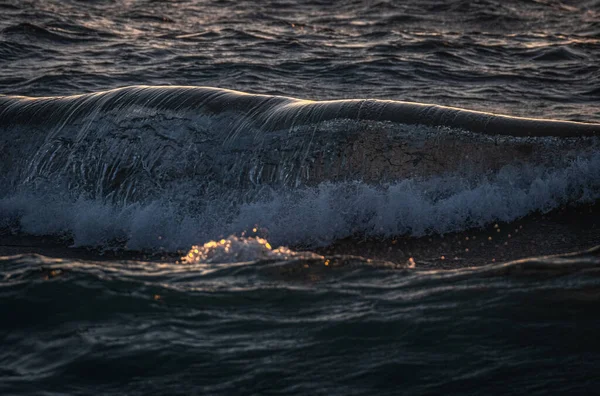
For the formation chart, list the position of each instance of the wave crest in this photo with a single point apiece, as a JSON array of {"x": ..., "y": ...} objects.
[{"x": 168, "y": 167}]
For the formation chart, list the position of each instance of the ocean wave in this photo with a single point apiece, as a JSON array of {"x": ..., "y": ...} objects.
[
  {"x": 263, "y": 265},
  {"x": 276, "y": 112},
  {"x": 169, "y": 167}
]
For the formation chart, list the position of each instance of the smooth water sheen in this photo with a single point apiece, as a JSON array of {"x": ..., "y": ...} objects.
[{"x": 231, "y": 141}]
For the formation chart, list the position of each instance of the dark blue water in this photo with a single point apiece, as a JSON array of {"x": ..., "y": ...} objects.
[
  {"x": 143, "y": 328},
  {"x": 205, "y": 207}
]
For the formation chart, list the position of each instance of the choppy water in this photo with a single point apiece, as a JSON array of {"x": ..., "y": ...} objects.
[{"x": 140, "y": 142}]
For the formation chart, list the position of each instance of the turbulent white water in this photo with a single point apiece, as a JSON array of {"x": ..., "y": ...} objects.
[{"x": 309, "y": 215}]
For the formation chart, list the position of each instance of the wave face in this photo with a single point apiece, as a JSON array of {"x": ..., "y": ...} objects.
[{"x": 165, "y": 167}]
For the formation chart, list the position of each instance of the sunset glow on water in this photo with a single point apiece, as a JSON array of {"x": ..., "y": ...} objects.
[{"x": 299, "y": 197}]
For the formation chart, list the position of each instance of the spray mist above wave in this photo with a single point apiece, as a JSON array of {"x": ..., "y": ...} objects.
[{"x": 175, "y": 166}]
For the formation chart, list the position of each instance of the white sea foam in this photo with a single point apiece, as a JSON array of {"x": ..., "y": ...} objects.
[
  {"x": 310, "y": 215},
  {"x": 234, "y": 249}
]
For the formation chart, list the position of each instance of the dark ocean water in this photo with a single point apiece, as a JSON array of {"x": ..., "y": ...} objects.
[
  {"x": 535, "y": 58},
  {"x": 143, "y": 328},
  {"x": 230, "y": 131}
]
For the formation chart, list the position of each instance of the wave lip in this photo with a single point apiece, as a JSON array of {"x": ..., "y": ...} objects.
[
  {"x": 131, "y": 140},
  {"x": 277, "y": 112}
]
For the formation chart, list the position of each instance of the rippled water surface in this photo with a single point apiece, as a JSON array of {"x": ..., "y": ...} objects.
[
  {"x": 143, "y": 328},
  {"x": 222, "y": 223},
  {"x": 531, "y": 58}
]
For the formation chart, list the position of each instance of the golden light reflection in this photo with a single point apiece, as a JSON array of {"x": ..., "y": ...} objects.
[
  {"x": 234, "y": 248},
  {"x": 52, "y": 274}
]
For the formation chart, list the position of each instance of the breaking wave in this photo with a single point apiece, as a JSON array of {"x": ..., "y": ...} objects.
[{"x": 168, "y": 167}]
